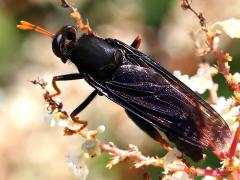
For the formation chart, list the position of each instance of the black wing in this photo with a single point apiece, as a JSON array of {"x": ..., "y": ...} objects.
[
  {"x": 161, "y": 101},
  {"x": 209, "y": 123},
  {"x": 170, "y": 110}
]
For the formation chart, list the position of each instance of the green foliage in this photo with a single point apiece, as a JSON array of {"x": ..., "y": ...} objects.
[
  {"x": 9, "y": 41},
  {"x": 155, "y": 10}
]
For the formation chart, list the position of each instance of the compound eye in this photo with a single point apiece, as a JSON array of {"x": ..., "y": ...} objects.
[
  {"x": 59, "y": 39},
  {"x": 62, "y": 40},
  {"x": 56, "y": 44},
  {"x": 70, "y": 33}
]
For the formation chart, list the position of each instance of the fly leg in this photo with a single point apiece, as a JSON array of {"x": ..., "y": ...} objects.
[
  {"x": 149, "y": 129},
  {"x": 65, "y": 77},
  {"x": 84, "y": 104},
  {"x": 137, "y": 42},
  {"x": 68, "y": 77},
  {"x": 81, "y": 107},
  {"x": 73, "y": 76}
]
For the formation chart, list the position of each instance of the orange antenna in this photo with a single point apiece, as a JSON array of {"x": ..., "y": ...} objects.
[{"x": 24, "y": 25}]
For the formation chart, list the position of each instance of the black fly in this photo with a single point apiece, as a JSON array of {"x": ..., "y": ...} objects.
[{"x": 151, "y": 96}]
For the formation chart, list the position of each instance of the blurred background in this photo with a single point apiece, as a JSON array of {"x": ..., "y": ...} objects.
[{"x": 30, "y": 148}]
